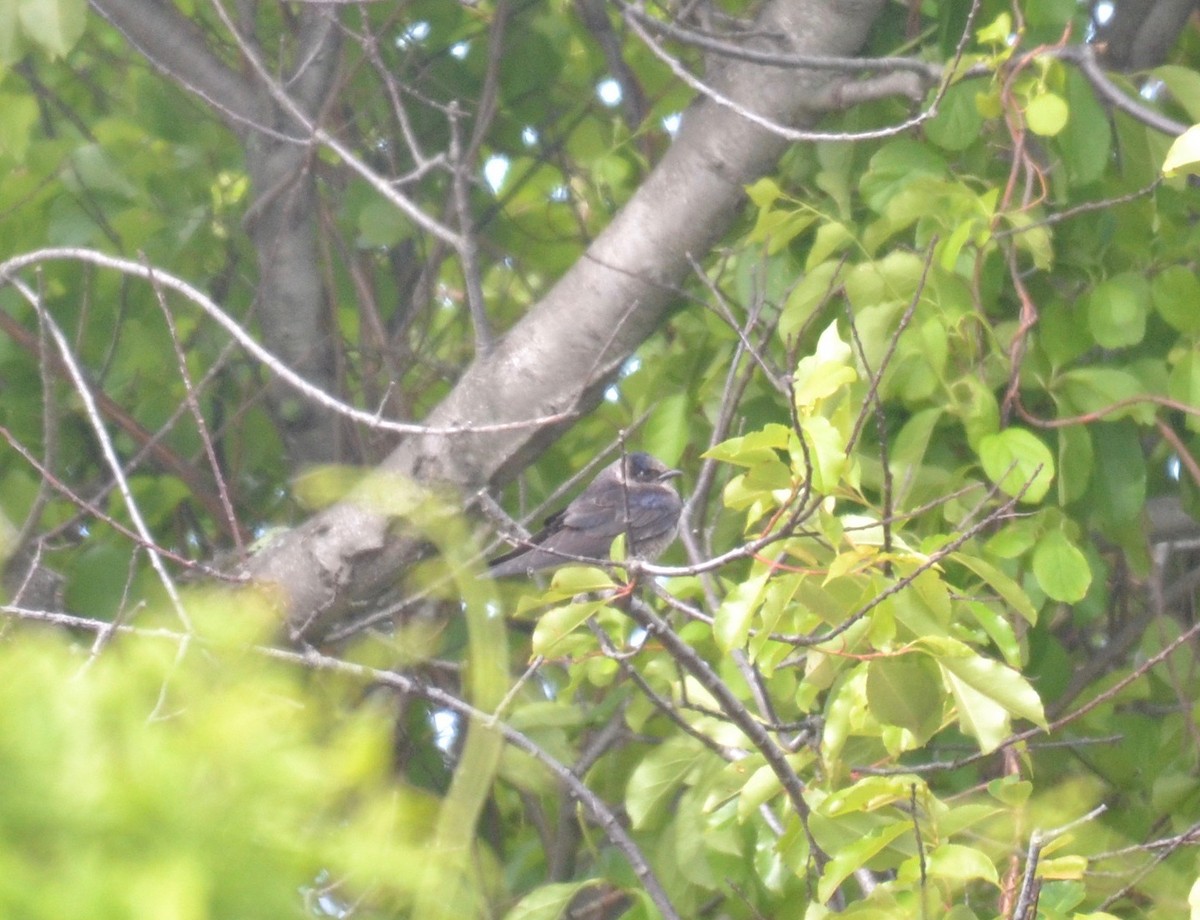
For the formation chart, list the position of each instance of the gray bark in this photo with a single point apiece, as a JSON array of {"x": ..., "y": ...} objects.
[
  {"x": 291, "y": 308},
  {"x": 1141, "y": 33}
]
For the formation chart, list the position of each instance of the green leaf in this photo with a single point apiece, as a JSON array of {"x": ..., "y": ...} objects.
[
  {"x": 1184, "y": 383},
  {"x": 1074, "y": 463},
  {"x": 380, "y": 224},
  {"x": 779, "y": 226},
  {"x": 999, "y": 630},
  {"x": 549, "y": 902},
  {"x": 1060, "y": 568},
  {"x": 667, "y": 429},
  {"x": 906, "y": 691},
  {"x": 992, "y": 679},
  {"x": 976, "y": 407},
  {"x": 1004, "y": 586},
  {"x": 908, "y": 452},
  {"x": 56, "y": 25},
  {"x": 1176, "y": 292},
  {"x": 1117, "y": 310},
  {"x": 558, "y": 623},
  {"x": 811, "y": 291},
  {"x": 826, "y": 452},
  {"x": 829, "y": 238},
  {"x": 996, "y": 32},
  {"x": 18, "y": 115},
  {"x": 1010, "y": 790},
  {"x": 1087, "y": 140},
  {"x": 1015, "y": 457},
  {"x": 754, "y": 448},
  {"x": 658, "y": 776},
  {"x": 857, "y": 854},
  {"x": 1184, "y": 85},
  {"x": 764, "y": 193},
  {"x": 1047, "y": 114},
  {"x": 737, "y": 611},
  {"x": 952, "y": 860},
  {"x": 893, "y": 167},
  {"x": 1094, "y": 390},
  {"x": 1062, "y": 332},
  {"x": 1118, "y": 493},
  {"x": 1184, "y": 155},
  {"x": 979, "y": 716},
  {"x": 825, "y": 372},
  {"x": 1034, "y": 239},
  {"x": 762, "y": 785},
  {"x": 958, "y": 119},
  {"x": 869, "y": 794}
]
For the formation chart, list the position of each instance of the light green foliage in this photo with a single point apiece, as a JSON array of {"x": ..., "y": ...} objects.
[
  {"x": 146, "y": 782},
  {"x": 976, "y": 356}
]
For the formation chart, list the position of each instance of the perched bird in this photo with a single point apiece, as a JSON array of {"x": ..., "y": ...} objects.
[{"x": 631, "y": 496}]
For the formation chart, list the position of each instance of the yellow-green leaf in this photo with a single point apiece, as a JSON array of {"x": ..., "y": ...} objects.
[
  {"x": 1018, "y": 462},
  {"x": 1061, "y": 569}
]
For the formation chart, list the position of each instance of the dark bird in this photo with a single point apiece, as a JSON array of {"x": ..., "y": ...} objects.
[{"x": 631, "y": 496}]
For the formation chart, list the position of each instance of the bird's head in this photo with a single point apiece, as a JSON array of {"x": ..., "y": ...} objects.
[{"x": 641, "y": 467}]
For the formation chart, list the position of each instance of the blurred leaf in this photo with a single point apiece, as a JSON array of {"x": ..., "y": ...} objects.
[
  {"x": 1016, "y": 460},
  {"x": 847, "y": 860},
  {"x": 1061, "y": 569},
  {"x": 549, "y": 902},
  {"x": 228, "y": 807},
  {"x": 1047, "y": 114},
  {"x": 1117, "y": 310},
  {"x": 1184, "y": 85},
  {"x": 657, "y": 777},
  {"x": 559, "y": 622},
  {"x": 906, "y": 690},
  {"x": 1008, "y": 590},
  {"x": 1175, "y": 292},
  {"x": 1184, "y": 155},
  {"x": 1118, "y": 493},
  {"x": 1184, "y": 382},
  {"x": 825, "y": 372},
  {"x": 1087, "y": 138},
  {"x": 1074, "y": 463},
  {"x": 990, "y": 678},
  {"x": 951, "y": 860},
  {"x": 55, "y": 25},
  {"x": 18, "y": 114},
  {"x": 1095, "y": 390},
  {"x": 737, "y": 611},
  {"x": 958, "y": 120}
]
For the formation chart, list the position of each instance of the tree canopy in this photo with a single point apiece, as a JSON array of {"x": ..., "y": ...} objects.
[{"x": 306, "y": 309}]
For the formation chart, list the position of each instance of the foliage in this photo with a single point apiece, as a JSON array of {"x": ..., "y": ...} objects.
[
  {"x": 153, "y": 781},
  {"x": 923, "y": 391}
]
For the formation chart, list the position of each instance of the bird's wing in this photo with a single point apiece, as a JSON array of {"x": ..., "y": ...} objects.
[
  {"x": 550, "y": 526},
  {"x": 601, "y": 511}
]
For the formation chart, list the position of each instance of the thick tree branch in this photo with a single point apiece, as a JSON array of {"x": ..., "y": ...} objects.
[
  {"x": 561, "y": 356},
  {"x": 292, "y": 308},
  {"x": 172, "y": 43}
]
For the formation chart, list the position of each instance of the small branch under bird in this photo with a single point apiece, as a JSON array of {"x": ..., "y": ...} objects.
[{"x": 631, "y": 496}]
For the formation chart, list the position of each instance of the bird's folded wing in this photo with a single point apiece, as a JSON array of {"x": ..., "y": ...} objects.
[{"x": 601, "y": 512}]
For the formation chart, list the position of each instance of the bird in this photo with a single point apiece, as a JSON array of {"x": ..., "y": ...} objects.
[{"x": 632, "y": 496}]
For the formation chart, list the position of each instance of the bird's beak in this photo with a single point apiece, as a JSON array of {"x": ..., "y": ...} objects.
[{"x": 669, "y": 474}]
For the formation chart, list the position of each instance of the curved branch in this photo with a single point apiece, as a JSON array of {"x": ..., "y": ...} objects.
[{"x": 1084, "y": 57}]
